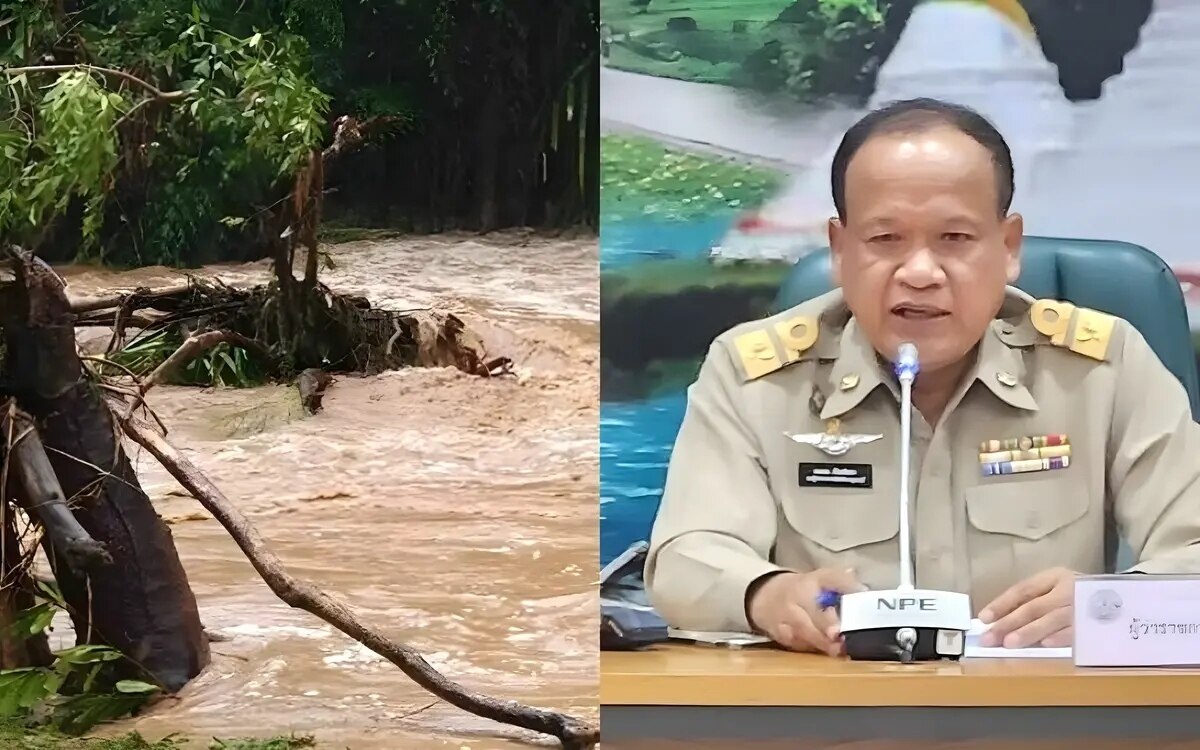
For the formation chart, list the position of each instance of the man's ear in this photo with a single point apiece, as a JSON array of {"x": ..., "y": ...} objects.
[
  {"x": 1014, "y": 234},
  {"x": 837, "y": 236}
]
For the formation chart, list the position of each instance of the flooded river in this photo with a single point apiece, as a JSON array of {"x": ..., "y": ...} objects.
[{"x": 457, "y": 514}]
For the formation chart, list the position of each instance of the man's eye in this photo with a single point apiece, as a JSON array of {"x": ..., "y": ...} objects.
[
  {"x": 886, "y": 237},
  {"x": 957, "y": 237}
]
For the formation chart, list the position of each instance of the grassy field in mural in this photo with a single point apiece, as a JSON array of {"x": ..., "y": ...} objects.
[
  {"x": 642, "y": 178},
  {"x": 725, "y": 34}
]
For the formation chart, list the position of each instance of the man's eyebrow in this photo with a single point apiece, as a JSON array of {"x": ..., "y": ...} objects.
[{"x": 878, "y": 222}]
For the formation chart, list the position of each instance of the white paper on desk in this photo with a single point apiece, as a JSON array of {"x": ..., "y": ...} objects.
[
  {"x": 973, "y": 650},
  {"x": 717, "y": 638}
]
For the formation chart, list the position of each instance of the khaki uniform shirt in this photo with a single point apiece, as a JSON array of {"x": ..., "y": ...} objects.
[{"x": 742, "y": 499}]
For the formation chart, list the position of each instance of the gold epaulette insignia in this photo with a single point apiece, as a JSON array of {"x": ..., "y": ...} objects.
[
  {"x": 760, "y": 354},
  {"x": 1079, "y": 329}
]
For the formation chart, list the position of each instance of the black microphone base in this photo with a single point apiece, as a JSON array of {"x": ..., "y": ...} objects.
[{"x": 882, "y": 644}]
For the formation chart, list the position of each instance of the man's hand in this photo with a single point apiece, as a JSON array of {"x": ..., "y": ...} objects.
[
  {"x": 785, "y": 608},
  {"x": 1036, "y": 611}
]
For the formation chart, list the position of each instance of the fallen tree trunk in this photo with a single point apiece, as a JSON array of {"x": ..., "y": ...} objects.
[
  {"x": 571, "y": 732},
  {"x": 140, "y": 603}
]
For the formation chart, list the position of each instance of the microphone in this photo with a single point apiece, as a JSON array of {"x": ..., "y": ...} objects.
[
  {"x": 907, "y": 365},
  {"x": 905, "y": 624}
]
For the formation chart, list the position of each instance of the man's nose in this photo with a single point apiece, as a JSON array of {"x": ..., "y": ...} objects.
[{"x": 921, "y": 269}]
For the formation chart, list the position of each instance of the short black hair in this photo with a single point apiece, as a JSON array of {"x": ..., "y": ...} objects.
[{"x": 916, "y": 116}]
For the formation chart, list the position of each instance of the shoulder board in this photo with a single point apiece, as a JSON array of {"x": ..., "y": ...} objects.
[
  {"x": 774, "y": 345},
  {"x": 1079, "y": 329}
]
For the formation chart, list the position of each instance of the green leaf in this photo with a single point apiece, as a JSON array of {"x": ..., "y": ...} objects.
[
  {"x": 88, "y": 654},
  {"x": 33, "y": 620},
  {"x": 136, "y": 687},
  {"x": 79, "y": 713},
  {"x": 21, "y": 689},
  {"x": 233, "y": 368},
  {"x": 92, "y": 674}
]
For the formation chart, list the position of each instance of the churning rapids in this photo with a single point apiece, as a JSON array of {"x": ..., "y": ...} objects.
[{"x": 455, "y": 513}]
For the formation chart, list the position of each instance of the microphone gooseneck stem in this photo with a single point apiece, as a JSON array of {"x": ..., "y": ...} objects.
[
  {"x": 907, "y": 366},
  {"x": 906, "y": 569}
]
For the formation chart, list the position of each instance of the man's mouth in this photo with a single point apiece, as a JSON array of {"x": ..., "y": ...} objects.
[{"x": 909, "y": 311}]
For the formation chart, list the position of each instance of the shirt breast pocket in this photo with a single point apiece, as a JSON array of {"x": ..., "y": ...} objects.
[
  {"x": 1032, "y": 525},
  {"x": 842, "y": 527}
]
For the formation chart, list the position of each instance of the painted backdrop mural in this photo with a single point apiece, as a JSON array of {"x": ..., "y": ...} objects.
[{"x": 720, "y": 118}]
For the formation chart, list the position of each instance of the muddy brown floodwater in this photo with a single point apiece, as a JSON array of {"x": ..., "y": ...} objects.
[{"x": 457, "y": 514}]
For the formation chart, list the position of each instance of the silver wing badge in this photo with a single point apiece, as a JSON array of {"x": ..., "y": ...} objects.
[{"x": 832, "y": 442}]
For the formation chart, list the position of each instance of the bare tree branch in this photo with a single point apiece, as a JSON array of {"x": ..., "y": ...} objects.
[
  {"x": 157, "y": 93},
  {"x": 144, "y": 298},
  {"x": 572, "y": 733}
]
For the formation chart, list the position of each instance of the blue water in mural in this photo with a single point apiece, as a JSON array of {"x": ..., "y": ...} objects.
[
  {"x": 629, "y": 242},
  {"x": 636, "y": 436}
]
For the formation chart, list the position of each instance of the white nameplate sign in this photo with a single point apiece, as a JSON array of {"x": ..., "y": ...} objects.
[{"x": 1137, "y": 621}]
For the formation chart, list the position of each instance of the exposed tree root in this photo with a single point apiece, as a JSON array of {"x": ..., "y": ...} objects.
[{"x": 572, "y": 732}]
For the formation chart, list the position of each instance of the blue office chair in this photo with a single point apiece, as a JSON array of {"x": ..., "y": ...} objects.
[{"x": 1118, "y": 278}]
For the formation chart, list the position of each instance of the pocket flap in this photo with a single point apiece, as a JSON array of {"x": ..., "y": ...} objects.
[
  {"x": 842, "y": 519},
  {"x": 1027, "y": 509}
]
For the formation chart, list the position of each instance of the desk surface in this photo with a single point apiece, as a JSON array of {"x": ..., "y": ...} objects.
[{"x": 685, "y": 675}]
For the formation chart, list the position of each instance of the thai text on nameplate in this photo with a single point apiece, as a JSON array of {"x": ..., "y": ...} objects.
[{"x": 1139, "y": 629}]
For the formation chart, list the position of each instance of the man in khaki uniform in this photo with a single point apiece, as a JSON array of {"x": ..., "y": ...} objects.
[{"x": 1039, "y": 428}]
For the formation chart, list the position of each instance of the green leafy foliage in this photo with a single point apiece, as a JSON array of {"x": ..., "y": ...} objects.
[
  {"x": 128, "y": 176},
  {"x": 68, "y": 154},
  {"x": 467, "y": 92},
  {"x": 223, "y": 366},
  {"x": 80, "y": 689}
]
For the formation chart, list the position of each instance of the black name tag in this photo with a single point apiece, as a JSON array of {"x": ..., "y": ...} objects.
[{"x": 835, "y": 475}]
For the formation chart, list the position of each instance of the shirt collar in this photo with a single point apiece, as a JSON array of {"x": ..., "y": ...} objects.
[{"x": 999, "y": 364}]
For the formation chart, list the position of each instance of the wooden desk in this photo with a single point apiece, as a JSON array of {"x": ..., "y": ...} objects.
[{"x": 677, "y": 692}]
